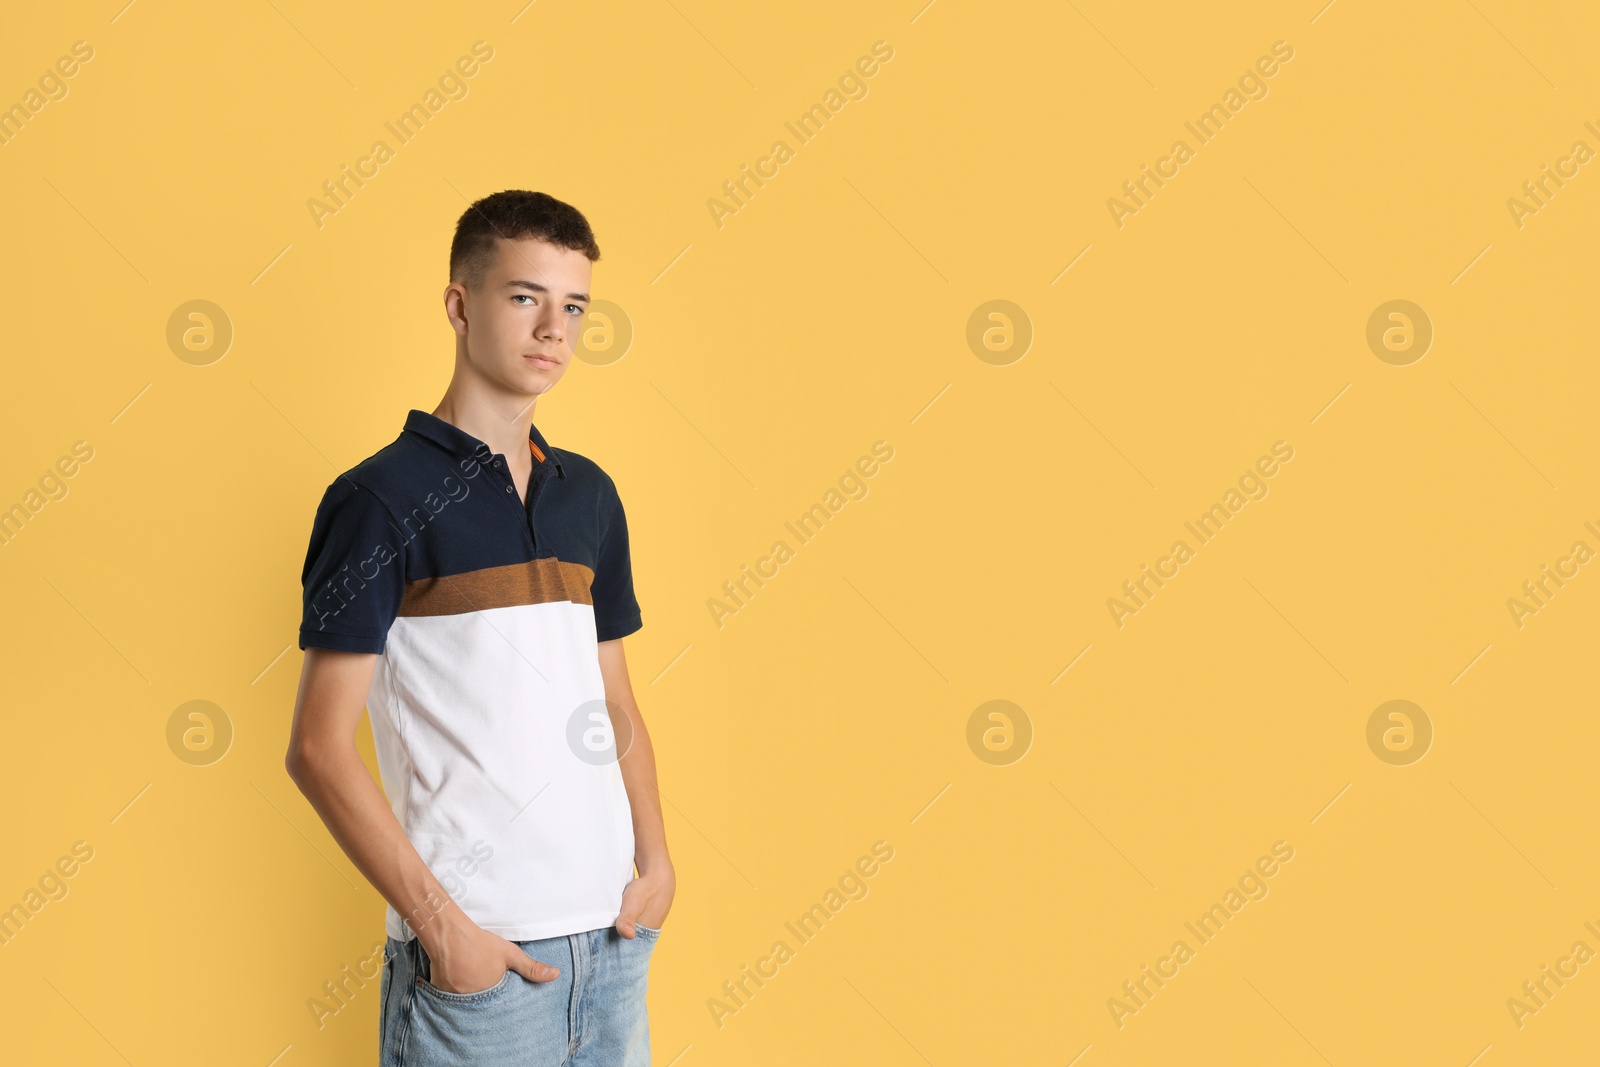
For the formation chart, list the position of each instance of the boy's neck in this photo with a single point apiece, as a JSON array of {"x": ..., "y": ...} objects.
[{"x": 484, "y": 420}]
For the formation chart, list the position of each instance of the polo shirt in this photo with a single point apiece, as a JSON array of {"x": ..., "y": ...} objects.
[{"x": 487, "y": 703}]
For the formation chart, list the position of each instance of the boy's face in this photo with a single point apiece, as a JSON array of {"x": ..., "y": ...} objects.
[{"x": 522, "y": 324}]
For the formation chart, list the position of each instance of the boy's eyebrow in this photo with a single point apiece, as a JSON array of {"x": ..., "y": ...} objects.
[{"x": 536, "y": 287}]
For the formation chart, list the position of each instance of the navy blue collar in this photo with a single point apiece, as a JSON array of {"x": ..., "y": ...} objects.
[{"x": 459, "y": 442}]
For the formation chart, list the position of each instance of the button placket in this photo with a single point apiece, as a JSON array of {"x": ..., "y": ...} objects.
[
  {"x": 524, "y": 516},
  {"x": 525, "y": 512}
]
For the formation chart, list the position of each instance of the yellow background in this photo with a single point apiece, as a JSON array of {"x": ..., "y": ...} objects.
[{"x": 769, "y": 354}]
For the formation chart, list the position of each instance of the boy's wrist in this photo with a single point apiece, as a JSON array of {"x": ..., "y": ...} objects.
[
  {"x": 656, "y": 864},
  {"x": 442, "y": 929}
]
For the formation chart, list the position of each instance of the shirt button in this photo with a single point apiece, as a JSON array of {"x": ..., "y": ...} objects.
[{"x": 509, "y": 489}]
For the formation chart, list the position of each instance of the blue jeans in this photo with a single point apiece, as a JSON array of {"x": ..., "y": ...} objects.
[{"x": 592, "y": 1015}]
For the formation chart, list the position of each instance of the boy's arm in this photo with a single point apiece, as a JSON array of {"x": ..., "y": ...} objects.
[
  {"x": 647, "y": 898},
  {"x": 323, "y": 761}
]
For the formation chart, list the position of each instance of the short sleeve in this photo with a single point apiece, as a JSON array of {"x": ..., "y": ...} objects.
[
  {"x": 354, "y": 575},
  {"x": 616, "y": 610}
]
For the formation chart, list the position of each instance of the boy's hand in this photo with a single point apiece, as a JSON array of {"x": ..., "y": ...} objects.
[
  {"x": 470, "y": 959},
  {"x": 647, "y": 899}
]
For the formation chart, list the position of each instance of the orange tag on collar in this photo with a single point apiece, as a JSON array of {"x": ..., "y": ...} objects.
[{"x": 535, "y": 450}]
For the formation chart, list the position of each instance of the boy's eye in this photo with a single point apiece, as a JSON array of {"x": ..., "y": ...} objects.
[
  {"x": 522, "y": 296},
  {"x": 575, "y": 309}
]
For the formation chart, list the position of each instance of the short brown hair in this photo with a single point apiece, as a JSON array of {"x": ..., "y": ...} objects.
[{"x": 514, "y": 214}]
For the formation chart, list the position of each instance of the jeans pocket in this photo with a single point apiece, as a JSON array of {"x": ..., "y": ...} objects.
[
  {"x": 647, "y": 932},
  {"x": 467, "y": 998}
]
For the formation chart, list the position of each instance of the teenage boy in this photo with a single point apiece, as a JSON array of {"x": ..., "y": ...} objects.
[{"x": 470, "y": 585}]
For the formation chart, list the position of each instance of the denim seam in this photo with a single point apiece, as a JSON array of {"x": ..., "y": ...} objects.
[
  {"x": 448, "y": 997},
  {"x": 407, "y": 1003},
  {"x": 580, "y": 978},
  {"x": 387, "y": 986}
]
